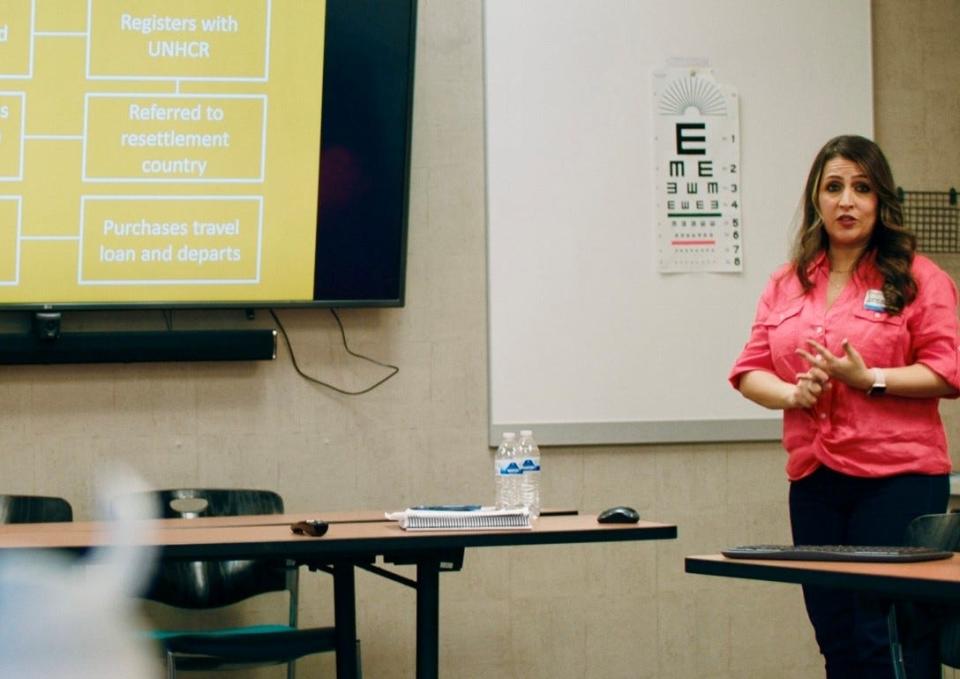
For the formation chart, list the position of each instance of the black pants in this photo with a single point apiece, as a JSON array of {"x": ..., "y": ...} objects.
[{"x": 829, "y": 508}]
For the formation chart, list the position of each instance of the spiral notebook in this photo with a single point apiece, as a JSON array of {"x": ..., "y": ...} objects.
[{"x": 485, "y": 518}]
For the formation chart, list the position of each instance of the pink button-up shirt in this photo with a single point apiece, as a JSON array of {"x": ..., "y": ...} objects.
[{"x": 847, "y": 430}]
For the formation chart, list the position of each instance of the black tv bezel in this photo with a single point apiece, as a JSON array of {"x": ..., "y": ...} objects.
[{"x": 360, "y": 7}]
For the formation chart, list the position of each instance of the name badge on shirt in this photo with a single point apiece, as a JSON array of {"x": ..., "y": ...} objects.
[{"x": 875, "y": 301}]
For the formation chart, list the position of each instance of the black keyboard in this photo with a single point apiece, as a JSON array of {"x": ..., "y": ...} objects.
[{"x": 835, "y": 553}]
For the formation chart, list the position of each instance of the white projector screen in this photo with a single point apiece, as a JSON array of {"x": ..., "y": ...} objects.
[{"x": 588, "y": 342}]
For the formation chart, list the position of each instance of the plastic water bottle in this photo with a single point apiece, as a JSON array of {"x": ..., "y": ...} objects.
[
  {"x": 530, "y": 464},
  {"x": 507, "y": 473}
]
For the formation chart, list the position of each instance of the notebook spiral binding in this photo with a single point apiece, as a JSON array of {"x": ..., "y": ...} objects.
[{"x": 494, "y": 519}]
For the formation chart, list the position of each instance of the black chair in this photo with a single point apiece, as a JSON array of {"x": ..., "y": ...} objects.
[
  {"x": 34, "y": 509},
  {"x": 215, "y": 584},
  {"x": 940, "y": 531}
]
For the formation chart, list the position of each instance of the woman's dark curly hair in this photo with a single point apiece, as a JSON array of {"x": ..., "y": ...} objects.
[{"x": 892, "y": 244}]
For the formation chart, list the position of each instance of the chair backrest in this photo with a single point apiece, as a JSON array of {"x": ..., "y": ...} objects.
[
  {"x": 34, "y": 509},
  {"x": 941, "y": 531},
  {"x": 211, "y": 584}
]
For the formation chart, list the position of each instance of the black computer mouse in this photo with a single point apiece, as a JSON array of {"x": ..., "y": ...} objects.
[{"x": 618, "y": 515}]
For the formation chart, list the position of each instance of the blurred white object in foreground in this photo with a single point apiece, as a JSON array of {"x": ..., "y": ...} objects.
[{"x": 78, "y": 619}]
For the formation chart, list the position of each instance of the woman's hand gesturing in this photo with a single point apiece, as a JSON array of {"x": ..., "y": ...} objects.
[
  {"x": 849, "y": 368},
  {"x": 808, "y": 388}
]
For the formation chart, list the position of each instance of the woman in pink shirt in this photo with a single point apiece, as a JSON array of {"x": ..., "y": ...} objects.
[{"x": 856, "y": 340}]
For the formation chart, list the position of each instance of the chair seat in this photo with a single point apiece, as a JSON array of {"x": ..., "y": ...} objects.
[
  {"x": 235, "y": 647},
  {"x": 210, "y": 584}
]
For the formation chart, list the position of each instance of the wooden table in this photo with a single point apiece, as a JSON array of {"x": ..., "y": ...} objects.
[
  {"x": 354, "y": 540},
  {"x": 919, "y": 581}
]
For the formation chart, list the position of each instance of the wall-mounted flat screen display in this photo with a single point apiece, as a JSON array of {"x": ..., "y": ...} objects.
[{"x": 175, "y": 153}]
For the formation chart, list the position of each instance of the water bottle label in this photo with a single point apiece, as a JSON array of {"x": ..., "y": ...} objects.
[
  {"x": 531, "y": 465},
  {"x": 508, "y": 468}
]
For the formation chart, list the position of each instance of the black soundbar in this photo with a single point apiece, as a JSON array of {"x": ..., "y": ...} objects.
[{"x": 140, "y": 346}]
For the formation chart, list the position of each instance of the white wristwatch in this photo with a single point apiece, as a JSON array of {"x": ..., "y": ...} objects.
[{"x": 879, "y": 386}]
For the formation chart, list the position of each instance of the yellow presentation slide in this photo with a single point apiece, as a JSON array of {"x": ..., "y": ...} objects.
[{"x": 159, "y": 150}]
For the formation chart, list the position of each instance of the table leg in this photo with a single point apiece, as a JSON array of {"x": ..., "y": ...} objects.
[
  {"x": 345, "y": 619},
  {"x": 428, "y": 618}
]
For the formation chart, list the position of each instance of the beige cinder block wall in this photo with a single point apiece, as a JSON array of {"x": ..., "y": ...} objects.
[
  {"x": 603, "y": 611},
  {"x": 916, "y": 97}
]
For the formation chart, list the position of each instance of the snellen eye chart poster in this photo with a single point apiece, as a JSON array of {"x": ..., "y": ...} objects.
[{"x": 697, "y": 172}]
